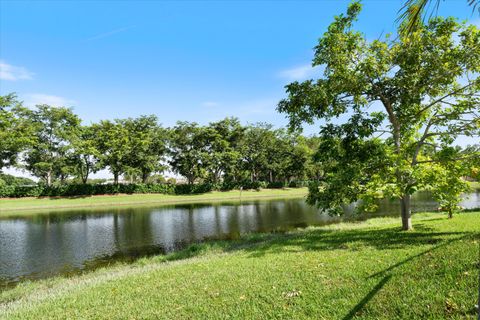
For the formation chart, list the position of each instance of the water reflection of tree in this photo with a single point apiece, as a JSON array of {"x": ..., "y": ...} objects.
[{"x": 132, "y": 228}]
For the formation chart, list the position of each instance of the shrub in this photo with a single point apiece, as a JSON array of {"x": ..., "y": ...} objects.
[
  {"x": 68, "y": 190},
  {"x": 276, "y": 185}
]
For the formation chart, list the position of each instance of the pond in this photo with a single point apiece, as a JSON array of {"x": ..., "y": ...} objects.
[{"x": 63, "y": 243}]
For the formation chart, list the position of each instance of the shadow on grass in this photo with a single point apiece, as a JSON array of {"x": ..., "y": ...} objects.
[
  {"x": 401, "y": 263},
  {"x": 324, "y": 240},
  {"x": 358, "y": 308},
  {"x": 67, "y": 197}
]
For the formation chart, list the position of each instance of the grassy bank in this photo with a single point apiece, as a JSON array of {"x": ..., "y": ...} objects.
[
  {"x": 368, "y": 270},
  {"x": 24, "y": 206}
]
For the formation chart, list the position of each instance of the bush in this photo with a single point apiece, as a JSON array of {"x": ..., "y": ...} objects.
[
  {"x": 69, "y": 190},
  {"x": 276, "y": 185}
]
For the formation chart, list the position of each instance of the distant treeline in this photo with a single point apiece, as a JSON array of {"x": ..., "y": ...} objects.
[
  {"x": 52, "y": 144},
  {"x": 88, "y": 189}
]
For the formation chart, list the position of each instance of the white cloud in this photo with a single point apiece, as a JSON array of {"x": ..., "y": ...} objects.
[
  {"x": 40, "y": 98},
  {"x": 13, "y": 73},
  {"x": 300, "y": 73},
  {"x": 109, "y": 33},
  {"x": 210, "y": 104}
]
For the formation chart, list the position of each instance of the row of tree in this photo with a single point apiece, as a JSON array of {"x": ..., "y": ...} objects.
[{"x": 53, "y": 145}]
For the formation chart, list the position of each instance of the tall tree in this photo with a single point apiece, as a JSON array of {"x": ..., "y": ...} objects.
[
  {"x": 85, "y": 156},
  {"x": 258, "y": 147},
  {"x": 292, "y": 154},
  {"x": 15, "y": 130},
  {"x": 112, "y": 143},
  {"x": 188, "y": 151},
  {"x": 222, "y": 142},
  {"x": 419, "y": 93},
  {"x": 147, "y": 141},
  {"x": 55, "y": 127}
]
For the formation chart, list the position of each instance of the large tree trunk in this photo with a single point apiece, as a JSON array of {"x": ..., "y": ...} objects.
[
  {"x": 85, "y": 178},
  {"x": 406, "y": 212},
  {"x": 84, "y": 175},
  {"x": 144, "y": 177},
  {"x": 115, "y": 177},
  {"x": 49, "y": 178}
]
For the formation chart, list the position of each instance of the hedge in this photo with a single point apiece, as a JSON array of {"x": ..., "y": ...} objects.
[{"x": 9, "y": 191}]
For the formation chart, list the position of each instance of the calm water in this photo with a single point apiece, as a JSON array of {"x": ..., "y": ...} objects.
[{"x": 53, "y": 244}]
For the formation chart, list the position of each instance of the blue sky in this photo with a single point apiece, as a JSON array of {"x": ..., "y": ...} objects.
[{"x": 194, "y": 61}]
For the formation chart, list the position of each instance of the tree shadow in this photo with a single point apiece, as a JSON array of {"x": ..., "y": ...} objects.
[
  {"x": 398, "y": 264},
  {"x": 65, "y": 197},
  {"x": 325, "y": 240},
  {"x": 367, "y": 298}
]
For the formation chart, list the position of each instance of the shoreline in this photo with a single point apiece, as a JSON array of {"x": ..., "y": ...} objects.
[
  {"x": 24, "y": 206},
  {"x": 295, "y": 268}
]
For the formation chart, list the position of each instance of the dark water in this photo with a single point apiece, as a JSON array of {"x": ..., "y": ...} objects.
[{"x": 46, "y": 245}]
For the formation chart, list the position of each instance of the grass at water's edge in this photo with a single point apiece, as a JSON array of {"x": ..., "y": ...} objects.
[
  {"x": 364, "y": 270},
  {"x": 475, "y": 185},
  {"x": 27, "y": 206}
]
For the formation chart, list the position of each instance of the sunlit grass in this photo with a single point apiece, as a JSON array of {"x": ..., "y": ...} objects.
[{"x": 368, "y": 270}]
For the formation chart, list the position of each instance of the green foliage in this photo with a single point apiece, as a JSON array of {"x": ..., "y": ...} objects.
[
  {"x": 84, "y": 156},
  {"x": 424, "y": 89},
  {"x": 8, "y": 179},
  {"x": 66, "y": 190},
  {"x": 15, "y": 130},
  {"x": 413, "y": 13},
  {"x": 147, "y": 145},
  {"x": 55, "y": 128},
  {"x": 188, "y": 151},
  {"x": 223, "y": 139},
  {"x": 220, "y": 156}
]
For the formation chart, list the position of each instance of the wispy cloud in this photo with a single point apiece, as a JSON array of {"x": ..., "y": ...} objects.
[
  {"x": 210, "y": 104},
  {"x": 13, "y": 73},
  {"x": 40, "y": 98},
  {"x": 299, "y": 73},
  {"x": 109, "y": 33}
]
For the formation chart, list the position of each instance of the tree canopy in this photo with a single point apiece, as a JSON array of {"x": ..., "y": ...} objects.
[{"x": 405, "y": 100}]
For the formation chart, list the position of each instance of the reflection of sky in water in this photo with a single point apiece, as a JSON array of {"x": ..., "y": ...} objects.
[{"x": 49, "y": 244}]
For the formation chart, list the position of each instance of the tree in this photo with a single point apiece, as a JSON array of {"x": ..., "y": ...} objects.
[
  {"x": 257, "y": 149},
  {"x": 147, "y": 142},
  {"x": 292, "y": 155},
  {"x": 222, "y": 142},
  {"x": 313, "y": 170},
  {"x": 15, "y": 130},
  {"x": 188, "y": 152},
  {"x": 112, "y": 143},
  {"x": 449, "y": 184},
  {"x": 406, "y": 101},
  {"x": 55, "y": 127},
  {"x": 85, "y": 156}
]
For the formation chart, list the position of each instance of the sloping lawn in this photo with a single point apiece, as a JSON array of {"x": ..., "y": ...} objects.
[{"x": 368, "y": 270}]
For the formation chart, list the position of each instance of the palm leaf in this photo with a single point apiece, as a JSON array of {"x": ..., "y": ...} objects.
[{"x": 414, "y": 12}]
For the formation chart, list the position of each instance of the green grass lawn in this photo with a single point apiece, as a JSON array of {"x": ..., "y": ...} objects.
[
  {"x": 25, "y": 206},
  {"x": 367, "y": 270}
]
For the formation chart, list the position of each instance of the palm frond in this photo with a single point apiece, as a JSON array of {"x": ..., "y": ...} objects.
[{"x": 414, "y": 13}]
